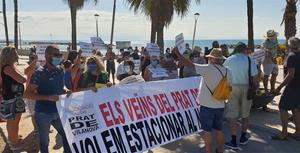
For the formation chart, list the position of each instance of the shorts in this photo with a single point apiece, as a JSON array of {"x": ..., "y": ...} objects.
[
  {"x": 238, "y": 105},
  {"x": 270, "y": 69},
  {"x": 9, "y": 108},
  {"x": 30, "y": 106},
  {"x": 211, "y": 118}
]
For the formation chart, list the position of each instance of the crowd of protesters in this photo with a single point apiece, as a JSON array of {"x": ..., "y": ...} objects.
[{"x": 44, "y": 81}]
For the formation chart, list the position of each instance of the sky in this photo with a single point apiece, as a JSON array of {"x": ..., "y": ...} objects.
[{"x": 219, "y": 19}]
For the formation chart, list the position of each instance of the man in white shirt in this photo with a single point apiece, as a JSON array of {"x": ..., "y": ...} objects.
[{"x": 211, "y": 110}]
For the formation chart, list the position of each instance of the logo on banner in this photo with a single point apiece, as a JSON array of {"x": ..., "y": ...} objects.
[{"x": 83, "y": 124}]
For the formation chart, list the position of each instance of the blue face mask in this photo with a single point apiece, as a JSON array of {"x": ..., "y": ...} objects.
[
  {"x": 92, "y": 67},
  {"x": 81, "y": 65},
  {"x": 56, "y": 61}
]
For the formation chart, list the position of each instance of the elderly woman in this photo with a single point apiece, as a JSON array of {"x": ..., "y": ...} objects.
[
  {"x": 290, "y": 97},
  {"x": 13, "y": 105},
  {"x": 94, "y": 75}
]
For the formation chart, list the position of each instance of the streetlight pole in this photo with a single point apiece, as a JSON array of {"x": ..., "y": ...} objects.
[
  {"x": 196, "y": 15},
  {"x": 113, "y": 23},
  {"x": 96, "y": 17},
  {"x": 20, "y": 42}
]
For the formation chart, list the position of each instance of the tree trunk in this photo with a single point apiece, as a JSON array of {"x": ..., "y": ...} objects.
[
  {"x": 73, "y": 22},
  {"x": 250, "y": 24},
  {"x": 153, "y": 31},
  {"x": 5, "y": 22},
  {"x": 160, "y": 36},
  {"x": 289, "y": 18},
  {"x": 16, "y": 23}
]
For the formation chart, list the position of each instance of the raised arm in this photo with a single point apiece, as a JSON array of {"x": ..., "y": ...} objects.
[{"x": 182, "y": 60}]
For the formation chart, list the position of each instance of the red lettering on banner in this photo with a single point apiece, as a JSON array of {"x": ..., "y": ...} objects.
[
  {"x": 195, "y": 95},
  {"x": 150, "y": 103},
  {"x": 187, "y": 93},
  {"x": 119, "y": 110},
  {"x": 105, "y": 114},
  {"x": 185, "y": 99},
  {"x": 175, "y": 99},
  {"x": 177, "y": 93},
  {"x": 158, "y": 102},
  {"x": 129, "y": 109},
  {"x": 166, "y": 103},
  {"x": 136, "y": 108},
  {"x": 115, "y": 120}
]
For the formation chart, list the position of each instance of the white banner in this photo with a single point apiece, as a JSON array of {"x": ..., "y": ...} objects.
[
  {"x": 179, "y": 40},
  {"x": 87, "y": 48},
  {"x": 98, "y": 43},
  {"x": 153, "y": 49},
  {"x": 258, "y": 56},
  {"x": 131, "y": 118},
  {"x": 40, "y": 51}
]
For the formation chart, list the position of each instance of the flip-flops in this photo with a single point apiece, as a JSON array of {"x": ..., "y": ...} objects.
[{"x": 279, "y": 137}]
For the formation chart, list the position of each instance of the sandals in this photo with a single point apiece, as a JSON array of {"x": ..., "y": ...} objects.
[{"x": 279, "y": 137}]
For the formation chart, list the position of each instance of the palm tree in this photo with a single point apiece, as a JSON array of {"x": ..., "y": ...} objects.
[
  {"x": 289, "y": 19},
  {"x": 16, "y": 23},
  {"x": 250, "y": 24},
  {"x": 75, "y": 5},
  {"x": 161, "y": 13},
  {"x": 5, "y": 21}
]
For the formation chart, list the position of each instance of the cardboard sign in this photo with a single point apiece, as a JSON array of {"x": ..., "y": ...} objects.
[
  {"x": 131, "y": 118},
  {"x": 258, "y": 56},
  {"x": 123, "y": 44},
  {"x": 158, "y": 72},
  {"x": 153, "y": 50},
  {"x": 87, "y": 48},
  {"x": 40, "y": 51},
  {"x": 98, "y": 43},
  {"x": 180, "y": 44}
]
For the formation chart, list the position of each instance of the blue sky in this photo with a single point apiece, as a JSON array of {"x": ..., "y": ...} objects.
[{"x": 219, "y": 19}]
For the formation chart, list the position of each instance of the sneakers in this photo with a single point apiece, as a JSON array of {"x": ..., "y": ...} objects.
[
  {"x": 231, "y": 146},
  {"x": 244, "y": 140}
]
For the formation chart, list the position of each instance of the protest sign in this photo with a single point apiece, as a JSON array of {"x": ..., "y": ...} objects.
[
  {"x": 137, "y": 64},
  {"x": 158, "y": 72},
  {"x": 180, "y": 44},
  {"x": 87, "y": 48},
  {"x": 258, "y": 56},
  {"x": 131, "y": 118},
  {"x": 98, "y": 43},
  {"x": 153, "y": 49},
  {"x": 123, "y": 44},
  {"x": 40, "y": 51}
]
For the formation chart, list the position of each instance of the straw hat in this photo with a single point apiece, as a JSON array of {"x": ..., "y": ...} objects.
[
  {"x": 271, "y": 34},
  {"x": 216, "y": 53}
]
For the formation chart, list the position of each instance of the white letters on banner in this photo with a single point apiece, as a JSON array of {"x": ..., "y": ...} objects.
[
  {"x": 153, "y": 49},
  {"x": 98, "y": 43},
  {"x": 131, "y": 118},
  {"x": 40, "y": 51},
  {"x": 123, "y": 44},
  {"x": 87, "y": 48},
  {"x": 180, "y": 43},
  {"x": 258, "y": 56}
]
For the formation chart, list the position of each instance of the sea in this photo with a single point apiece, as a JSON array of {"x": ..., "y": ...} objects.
[{"x": 142, "y": 43}]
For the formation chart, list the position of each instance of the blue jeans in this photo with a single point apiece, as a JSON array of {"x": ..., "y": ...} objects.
[{"x": 44, "y": 121}]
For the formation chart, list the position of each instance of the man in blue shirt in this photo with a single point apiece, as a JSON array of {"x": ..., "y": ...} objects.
[{"x": 45, "y": 87}]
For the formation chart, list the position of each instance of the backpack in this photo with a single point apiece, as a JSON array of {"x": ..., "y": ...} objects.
[{"x": 223, "y": 90}]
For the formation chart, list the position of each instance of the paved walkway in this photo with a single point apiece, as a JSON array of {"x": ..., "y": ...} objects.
[{"x": 262, "y": 126}]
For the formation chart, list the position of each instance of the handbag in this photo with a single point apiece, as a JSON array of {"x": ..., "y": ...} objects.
[{"x": 251, "y": 93}]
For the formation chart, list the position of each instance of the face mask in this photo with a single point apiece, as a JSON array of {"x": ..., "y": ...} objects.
[
  {"x": 92, "y": 67},
  {"x": 55, "y": 61},
  {"x": 81, "y": 65},
  {"x": 155, "y": 62}
]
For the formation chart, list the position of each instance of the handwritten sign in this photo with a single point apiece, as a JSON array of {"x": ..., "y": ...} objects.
[
  {"x": 258, "y": 56},
  {"x": 40, "y": 51},
  {"x": 153, "y": 49},
  {"x": 158, "y": 72},
  {"x": 98, "y": 43},
  {"x": 180, "y": 44},
  {"x": 123, "y": 44},
  {"x": 87, "y": 48},
  {"x": 137, "y": 64}
]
